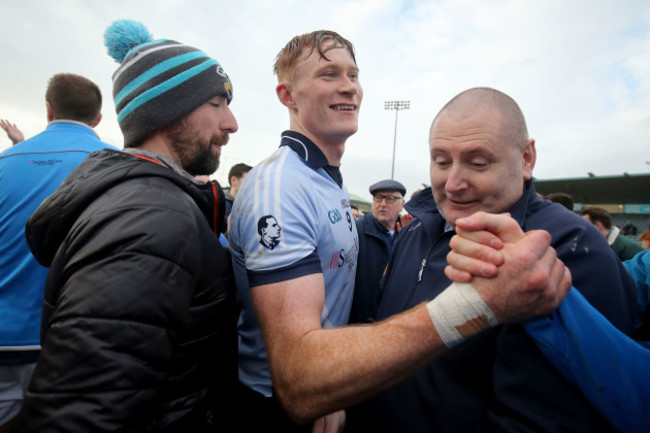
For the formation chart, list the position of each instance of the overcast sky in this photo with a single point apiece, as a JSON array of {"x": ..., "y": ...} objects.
[{"x": 580, "y": 71}]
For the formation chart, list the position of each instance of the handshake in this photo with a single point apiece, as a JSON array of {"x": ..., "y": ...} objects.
[{"x": 514, "y": 276}]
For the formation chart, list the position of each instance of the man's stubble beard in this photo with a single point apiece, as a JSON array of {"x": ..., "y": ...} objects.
[{"x": 195, "y": 153}]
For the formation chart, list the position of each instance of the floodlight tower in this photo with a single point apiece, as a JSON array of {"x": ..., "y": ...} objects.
[{"x": 395, "y": 105}]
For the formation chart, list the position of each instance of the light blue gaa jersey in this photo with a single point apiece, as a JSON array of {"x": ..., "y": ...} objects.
[{"x": 291, "y": 219}]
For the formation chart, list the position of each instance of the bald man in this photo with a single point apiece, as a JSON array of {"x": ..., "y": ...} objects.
[{"x": 482, "y": 159}]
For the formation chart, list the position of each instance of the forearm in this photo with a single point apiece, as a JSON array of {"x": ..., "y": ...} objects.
[
  {"x": 317, "y": 371},
  {"x": 330, "y": 369}
]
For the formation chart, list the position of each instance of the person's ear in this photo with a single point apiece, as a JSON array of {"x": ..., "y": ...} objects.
[
  {"x": 529, "y": 158},
  {"x": 99, "y": 119},
  {"x": 50, "y": 111},
  {"x": 283, "y": 90}
]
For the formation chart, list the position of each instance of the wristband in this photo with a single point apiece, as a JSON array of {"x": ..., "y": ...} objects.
[{"x": 459, "y": 312}]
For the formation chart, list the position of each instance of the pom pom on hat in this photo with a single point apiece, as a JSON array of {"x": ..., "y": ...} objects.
[{"x": 124, "y": 35}]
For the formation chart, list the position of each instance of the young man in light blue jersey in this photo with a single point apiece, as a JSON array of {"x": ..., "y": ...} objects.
[{"x": 295, "y": 246}]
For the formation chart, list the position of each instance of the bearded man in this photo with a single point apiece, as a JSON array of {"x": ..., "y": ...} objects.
[{"x": 139, "y": 318}]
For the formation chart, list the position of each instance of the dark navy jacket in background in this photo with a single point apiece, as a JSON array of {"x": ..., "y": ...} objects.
[
  {"x": 497, "y": 380},
  {"x": 374, "y": 251}
]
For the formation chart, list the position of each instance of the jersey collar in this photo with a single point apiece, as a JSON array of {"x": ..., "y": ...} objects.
[{"x": 308, "y": 151}]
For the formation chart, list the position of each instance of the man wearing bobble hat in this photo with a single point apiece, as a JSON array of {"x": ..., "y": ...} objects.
[{"x": 139, "y": 321}]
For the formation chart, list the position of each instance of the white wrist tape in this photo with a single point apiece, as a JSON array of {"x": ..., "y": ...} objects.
[{"x": 459, "y": 312}]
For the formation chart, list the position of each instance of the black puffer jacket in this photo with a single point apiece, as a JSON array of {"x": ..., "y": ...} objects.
[{"x": 139, "y": 320}]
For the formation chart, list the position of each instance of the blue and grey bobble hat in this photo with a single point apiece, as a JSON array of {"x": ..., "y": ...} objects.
[{"x": 158, "y": 81}]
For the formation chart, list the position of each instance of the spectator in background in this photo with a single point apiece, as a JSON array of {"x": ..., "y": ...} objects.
[
  {"x": 13, "y": 132},
  {"x": 29, "y": 172},
  {"x": 355, "y": 211},
  {"x": 645, "y": 240},
  {"x": 624, "y": 247},
  {"x": 236, "y": 176},
  {"x": 376, "y": 230},
  {"x": 629, "y": 229},
  {"x": 639, "y": 268},
  {"x": 563, "y": 198}
]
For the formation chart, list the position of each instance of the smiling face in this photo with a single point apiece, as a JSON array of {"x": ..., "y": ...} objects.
[
  {"x": 475, "y": 163},
  {"x": 196, "y": 140},
  {"x": 324, "y": 95}
]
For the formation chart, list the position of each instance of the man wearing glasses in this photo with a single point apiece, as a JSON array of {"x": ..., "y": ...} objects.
[{"x": 376, "y": 232}]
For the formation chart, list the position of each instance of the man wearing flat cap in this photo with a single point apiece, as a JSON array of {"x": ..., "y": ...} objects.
[{"x": 376, "y": 231}]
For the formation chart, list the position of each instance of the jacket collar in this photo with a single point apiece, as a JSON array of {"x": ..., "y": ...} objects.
[
  {"x": 97, "y": 174},
  {"x": 373, "y": 227},
  {"x": 163, "y": 161},
  {"x": 58, "y": 124},
  {"x": 424, "y": 208},
  {"x": 519, "y": 210}
]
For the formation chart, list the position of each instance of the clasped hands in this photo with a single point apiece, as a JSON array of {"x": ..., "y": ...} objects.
[{"x": 517, "y": 274}]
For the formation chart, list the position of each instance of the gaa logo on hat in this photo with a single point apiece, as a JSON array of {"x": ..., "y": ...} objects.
[{"x": 227, "y": 84}]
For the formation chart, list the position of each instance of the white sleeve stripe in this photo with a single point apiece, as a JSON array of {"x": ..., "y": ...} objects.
[
  {"x": 258, "y": 184},
  {"x": 272, "y": 167},
  {"x": 277, "y": 206}
]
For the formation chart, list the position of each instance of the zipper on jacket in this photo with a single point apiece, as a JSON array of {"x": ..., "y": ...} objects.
[
  {"x": 424, "y": 260},
  {"x": 424, "y": 263}
]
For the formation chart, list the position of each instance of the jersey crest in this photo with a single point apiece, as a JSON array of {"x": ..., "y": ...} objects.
[{"x": 269, "y": 232}]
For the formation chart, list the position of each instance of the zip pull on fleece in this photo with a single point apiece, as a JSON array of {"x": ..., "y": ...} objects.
[{"x": 424, "y": 263}]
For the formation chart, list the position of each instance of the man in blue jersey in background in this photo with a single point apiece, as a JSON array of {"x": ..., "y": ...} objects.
[
  {"x": 30, "y": 171},
  {"x": 299, "y": 365}
]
